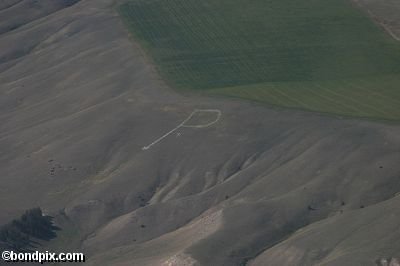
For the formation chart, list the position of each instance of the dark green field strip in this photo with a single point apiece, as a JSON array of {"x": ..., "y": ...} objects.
[
  {"x": 320, "y": 55},
  {"x": 361, "y": 98}
]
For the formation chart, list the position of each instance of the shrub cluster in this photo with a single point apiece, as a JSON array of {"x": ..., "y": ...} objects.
[{"x": 20, "y": 234}]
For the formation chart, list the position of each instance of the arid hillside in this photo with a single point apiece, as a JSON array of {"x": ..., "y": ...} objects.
[{"x": 247, "y": 184}]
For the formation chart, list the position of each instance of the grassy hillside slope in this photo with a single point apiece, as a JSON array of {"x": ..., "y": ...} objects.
[
  {"x": 324, "y": 56},
  {"x": 278, "y": 186}
]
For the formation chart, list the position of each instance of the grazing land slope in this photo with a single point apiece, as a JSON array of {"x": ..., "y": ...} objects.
[
  {"x": 259, "y": 186},
  {"x": 385, "y": 13}
]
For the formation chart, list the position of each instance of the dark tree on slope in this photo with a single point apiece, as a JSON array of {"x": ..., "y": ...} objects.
[
  {"x": 13, "y": 238},
  {"x": 19, "y": 234},
  {"x": 37, "y": 225}
]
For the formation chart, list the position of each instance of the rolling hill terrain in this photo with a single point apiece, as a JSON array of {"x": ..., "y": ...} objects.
[{"x": 80, "y": 100}]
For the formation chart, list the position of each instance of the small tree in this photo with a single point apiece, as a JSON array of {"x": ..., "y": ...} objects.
[{"x": 32, "y": 224}]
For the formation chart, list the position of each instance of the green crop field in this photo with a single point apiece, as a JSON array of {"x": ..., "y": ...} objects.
[{"x": 319, "y": 55}]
